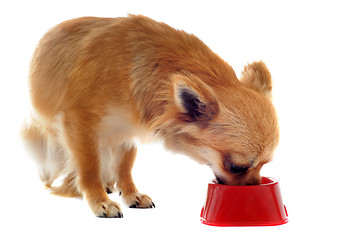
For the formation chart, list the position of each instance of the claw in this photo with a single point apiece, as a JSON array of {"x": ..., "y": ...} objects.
[
  {"x": 119, "y": 215},
  {"x": 135, "y": 205},
  {"x": 108, "y": 191}
]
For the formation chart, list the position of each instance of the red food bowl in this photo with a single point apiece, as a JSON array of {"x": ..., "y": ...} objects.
[{"x": 256, "y": 205}]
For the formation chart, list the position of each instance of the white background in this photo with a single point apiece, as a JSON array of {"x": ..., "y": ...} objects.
[{"x": 312, "y": 50}]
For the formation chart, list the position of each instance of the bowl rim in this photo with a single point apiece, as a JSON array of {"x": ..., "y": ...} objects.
[{"x": 273, "y": 182}]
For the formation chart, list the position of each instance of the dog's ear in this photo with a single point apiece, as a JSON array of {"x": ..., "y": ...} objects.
[
  {"x": 195, "y": 100},
  {"x": 257, "y": 77}
]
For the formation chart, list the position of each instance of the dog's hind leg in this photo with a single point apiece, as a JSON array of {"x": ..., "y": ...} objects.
[{"x": 68, "y": 188}]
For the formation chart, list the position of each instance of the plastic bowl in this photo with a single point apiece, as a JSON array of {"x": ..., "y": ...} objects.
[{"x": 256, "y": 205}]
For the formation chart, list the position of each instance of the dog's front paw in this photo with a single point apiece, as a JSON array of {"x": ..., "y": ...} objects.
[
  {"x": 106, "y": 209},
  {"x": 137, "y": 200}
]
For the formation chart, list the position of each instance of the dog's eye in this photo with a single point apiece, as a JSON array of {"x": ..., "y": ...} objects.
[{"x": 238, "y": 169}]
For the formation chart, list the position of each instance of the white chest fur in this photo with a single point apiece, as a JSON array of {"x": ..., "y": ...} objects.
[{"x": 117, "y": 127}]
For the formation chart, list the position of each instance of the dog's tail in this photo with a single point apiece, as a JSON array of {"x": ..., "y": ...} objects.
[
  {"x": 51, "y": 158},
  {"x": 35, "y": 141}
]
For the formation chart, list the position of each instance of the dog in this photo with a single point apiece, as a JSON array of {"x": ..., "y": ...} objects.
[{"x": 97, "y": 84}]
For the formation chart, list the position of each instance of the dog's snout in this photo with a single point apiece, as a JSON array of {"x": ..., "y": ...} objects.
[
  {"x": 220, "y": 180},
  {"x": 231, "y": 166},
  {"x": 239, "y": 169}
]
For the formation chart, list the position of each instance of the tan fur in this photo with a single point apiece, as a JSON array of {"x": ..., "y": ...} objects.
[{"x": 97, "y": 84}]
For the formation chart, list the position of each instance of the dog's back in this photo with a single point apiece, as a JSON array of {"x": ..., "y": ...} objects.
[{"x": 55, "y": 58}]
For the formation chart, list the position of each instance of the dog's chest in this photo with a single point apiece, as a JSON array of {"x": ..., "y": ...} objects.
[{"x": 117, "y": 127}]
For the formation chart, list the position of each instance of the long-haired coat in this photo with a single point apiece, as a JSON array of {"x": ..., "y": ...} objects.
[{"x": 99, "y": 83}]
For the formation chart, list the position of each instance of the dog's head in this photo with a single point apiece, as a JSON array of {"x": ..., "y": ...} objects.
[{"x": 234, "y": 130}]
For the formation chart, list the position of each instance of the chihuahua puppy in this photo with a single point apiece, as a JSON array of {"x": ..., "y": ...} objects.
[{"x": 99, "y": 83}]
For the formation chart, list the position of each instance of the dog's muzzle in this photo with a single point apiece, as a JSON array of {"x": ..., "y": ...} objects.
[{"x": 219, "y": 180}]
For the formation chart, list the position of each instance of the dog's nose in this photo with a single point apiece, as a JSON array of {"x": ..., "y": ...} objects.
[{"x": 239, "y": 169}]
